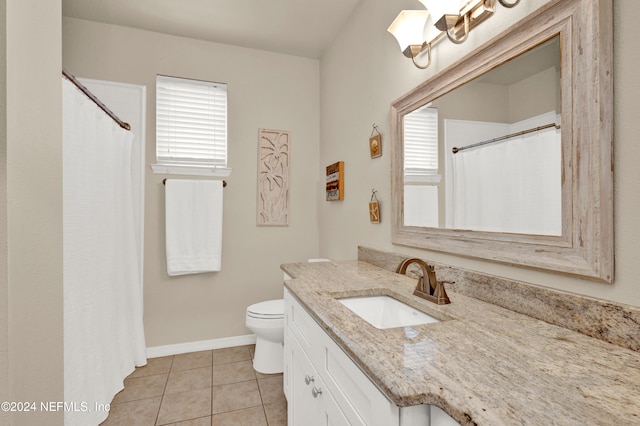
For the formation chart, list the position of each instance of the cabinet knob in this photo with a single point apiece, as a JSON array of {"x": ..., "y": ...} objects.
[
  {"x": 308, "y": 379},
  {"x": 316, "y": 391}
]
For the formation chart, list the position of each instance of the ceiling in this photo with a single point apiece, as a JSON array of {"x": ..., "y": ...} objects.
[
  {"x": 296, "y": 27},
  {"x": 531, "y": 62}
]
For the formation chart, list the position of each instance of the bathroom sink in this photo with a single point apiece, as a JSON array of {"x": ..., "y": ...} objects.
[{"x": 386, "y": 312}]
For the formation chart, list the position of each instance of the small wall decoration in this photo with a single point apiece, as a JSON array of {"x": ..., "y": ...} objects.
[
  {"x": 273, "y": 178},
  {"x": 375, "y": 142},
  {"x": 374, "y": 208},
  {"x": 335, "y": 181}
]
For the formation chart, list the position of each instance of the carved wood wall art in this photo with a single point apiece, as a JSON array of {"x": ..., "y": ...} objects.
[{"x": 273, "y": 178}]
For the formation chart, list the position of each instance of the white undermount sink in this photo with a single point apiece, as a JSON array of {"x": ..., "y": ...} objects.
[{"x": 386, "y": 312}]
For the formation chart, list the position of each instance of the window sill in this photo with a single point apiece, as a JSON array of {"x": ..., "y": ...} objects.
[
  {"x": 416, "y": 179},
  {"x": 173, "y": 169}
]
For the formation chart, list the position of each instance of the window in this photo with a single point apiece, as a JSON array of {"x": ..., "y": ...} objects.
[
  {"x": 421, "y": 145},
  {"x": 191, "y": 126}
]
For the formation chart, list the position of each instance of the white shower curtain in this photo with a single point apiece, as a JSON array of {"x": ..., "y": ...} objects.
[
  {"x": 103, "y": 329},
  {"x": 510, "y": 186}
]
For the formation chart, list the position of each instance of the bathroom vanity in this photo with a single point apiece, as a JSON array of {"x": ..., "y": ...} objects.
[
  {"x": 479, "y": 364},
  {"x": 323, "y": 384}
]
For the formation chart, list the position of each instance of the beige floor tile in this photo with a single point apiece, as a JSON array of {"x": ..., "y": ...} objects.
[
  {"x": 185, "y": 406},
  {"x": 186, "y": 380},
  {"x": 141, "y": 388},
  {"x": 191, "y": 360},
  {"x": 247, "y": 417},
  {"x": 202, "y": 421},
  {"x": 154, "y": 367},
  {"x": 134, "y": 413},
  {"x": 276, "y": 413},
  {"x": 235, "y": 396},
  {"x": 227, "y": 355},
  {"x": 193, "y": 390},
  {"x": 232, "y": 373},
  {"x": 271, "y": 389}
]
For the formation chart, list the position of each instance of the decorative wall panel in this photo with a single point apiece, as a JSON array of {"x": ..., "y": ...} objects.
[{"x": 273, "y": 178}]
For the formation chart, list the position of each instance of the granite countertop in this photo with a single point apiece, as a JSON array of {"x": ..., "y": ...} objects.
[{"x": 482, "y": 364}]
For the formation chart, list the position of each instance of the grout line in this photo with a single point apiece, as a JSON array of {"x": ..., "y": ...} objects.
[
  {"x": 266, "y": 419},
  {"x": 264, "y": 412},
  {"x": 164, "y": 391},
  {"x": 211, "y": 405}
]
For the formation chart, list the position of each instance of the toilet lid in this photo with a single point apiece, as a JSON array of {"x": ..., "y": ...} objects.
[{"x": 268, "y": 309}]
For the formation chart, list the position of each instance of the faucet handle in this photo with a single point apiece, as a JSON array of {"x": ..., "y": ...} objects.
[{"x": 441, "y": 295}]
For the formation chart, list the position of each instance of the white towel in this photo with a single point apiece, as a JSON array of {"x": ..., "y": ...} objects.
[{"x": 194, "y": 226}]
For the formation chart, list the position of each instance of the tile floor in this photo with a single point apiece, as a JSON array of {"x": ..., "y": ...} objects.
[{"x": 212, "y": 388}]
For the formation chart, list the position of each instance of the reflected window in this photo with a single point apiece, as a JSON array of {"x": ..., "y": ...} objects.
[{"x": 421, "y": 169}]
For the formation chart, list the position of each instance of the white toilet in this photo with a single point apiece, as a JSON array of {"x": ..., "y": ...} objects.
[{"x": 266, "y": 321}]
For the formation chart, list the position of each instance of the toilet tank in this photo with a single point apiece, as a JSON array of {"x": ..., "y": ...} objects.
[{"x": 320, "y": 259}]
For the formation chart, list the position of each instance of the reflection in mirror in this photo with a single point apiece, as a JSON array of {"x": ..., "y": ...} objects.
[{"x": 487, "y": 156}]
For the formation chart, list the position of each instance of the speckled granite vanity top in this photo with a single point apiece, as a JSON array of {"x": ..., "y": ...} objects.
[{"x": 482, "y": 364}]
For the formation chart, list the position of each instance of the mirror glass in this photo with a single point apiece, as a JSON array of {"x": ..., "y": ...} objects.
[{"x": 487, "y": 156}]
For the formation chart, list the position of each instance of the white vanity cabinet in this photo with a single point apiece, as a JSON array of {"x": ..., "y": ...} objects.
[
  {"x": 313, "y": 405},
  {"x": 324, "y": 386}
]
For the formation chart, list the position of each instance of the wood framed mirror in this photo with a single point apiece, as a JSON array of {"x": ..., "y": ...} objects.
[{"x": 571, "y": 230}]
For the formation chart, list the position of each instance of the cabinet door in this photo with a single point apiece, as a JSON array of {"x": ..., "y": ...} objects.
[
  {"x": 310, "y": 403},
  {"x": 302, "y": 406},
  {"x": 330, "y": 413}
]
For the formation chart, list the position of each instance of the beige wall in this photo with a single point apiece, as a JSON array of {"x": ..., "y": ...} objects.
[
  {"x": 4, "y": 284},
  {"x": 32, "y": 231},
  {"x": 364, "y": 72},
  {"x": 266, "y": 90}
]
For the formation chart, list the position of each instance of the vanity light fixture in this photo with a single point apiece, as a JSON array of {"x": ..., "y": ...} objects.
[
  {"x": 446, "y": 14},
  {"x": 455, "y": 18},
  {"x": 408, "y": 29}
]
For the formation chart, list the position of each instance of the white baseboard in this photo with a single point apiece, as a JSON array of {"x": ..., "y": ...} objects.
[{"x": 202, "y": 345}]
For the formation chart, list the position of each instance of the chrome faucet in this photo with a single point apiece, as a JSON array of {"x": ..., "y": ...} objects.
[{"x": 428, "y": 287}]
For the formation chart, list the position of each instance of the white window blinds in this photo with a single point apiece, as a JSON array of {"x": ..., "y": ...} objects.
[
  {"x": 421, "y": 145},
  {"x": 191, "y": 122}
]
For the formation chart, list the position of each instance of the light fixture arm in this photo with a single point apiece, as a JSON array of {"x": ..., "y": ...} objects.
[
  {"x": 422, "y": 67},
  {"x": 413, "y": 50},
  {"x": 451, "y": 32},
  {"x": 507, "y": 4}
]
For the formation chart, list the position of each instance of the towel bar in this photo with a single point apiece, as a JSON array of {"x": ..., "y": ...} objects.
[{"x": 224, "y": 182}]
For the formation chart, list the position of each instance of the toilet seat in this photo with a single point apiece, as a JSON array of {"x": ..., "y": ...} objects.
[{"x": 271, "y": 309}]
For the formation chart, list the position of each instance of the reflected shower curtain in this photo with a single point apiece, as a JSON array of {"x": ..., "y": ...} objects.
[
  {"x": 510, "y": 186},
  {"x": 103, "y": 329}
]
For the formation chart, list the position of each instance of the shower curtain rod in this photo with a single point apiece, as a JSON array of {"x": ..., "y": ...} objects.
[
  {"x": 501, "y": 138},
  {"x": 91, "y": 96}
]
